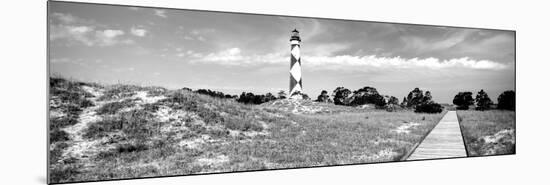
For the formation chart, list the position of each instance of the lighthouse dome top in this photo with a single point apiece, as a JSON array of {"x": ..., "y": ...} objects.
[{"x": 295, "y": 35}]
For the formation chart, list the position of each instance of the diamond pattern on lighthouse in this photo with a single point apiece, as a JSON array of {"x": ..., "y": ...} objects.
[
  {"x": 296, "y": 71},
  {"x": 296, "y": 51}
]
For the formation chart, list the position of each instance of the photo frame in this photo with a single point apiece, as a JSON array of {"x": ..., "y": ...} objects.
[{"x": 140, "y": 92}]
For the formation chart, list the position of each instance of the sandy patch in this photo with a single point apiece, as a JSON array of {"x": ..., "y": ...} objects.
[
  {"x": 405, "y": 128},
  {"x": 379, "y": 141},
  {"x": 213, "y": 160},
  {"x": 165, "y": 114},
  {"x": 57, "y": 113},
  {"x": 383, "y": 155},
  {"x": 498, "y": 142},
  {"x": 92, "y": 90},
  {"x": 79, "y": 147},
  {"x": 503, "y": 135},
  {"x": 148, "y": 99}
]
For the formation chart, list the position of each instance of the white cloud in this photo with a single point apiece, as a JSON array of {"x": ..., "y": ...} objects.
[
  {"x": 342, "y": 61},
  {"x": 65, "y": 18},
  {"x": 161, "y": 13},
  {"x": 111, "y": 33},
  {"x": 235, "y": 56},
  {"x": 110, "y": 37},
  {"x": 138, "y": 32},
  {"x": 87, "y": 35},
  {"x": 75, "y": 30},
  {"x": 74, "y": 33}
]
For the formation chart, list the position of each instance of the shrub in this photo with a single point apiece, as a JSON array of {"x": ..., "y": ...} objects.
[
  {"x": 341, "y": 96},
  {"x": 135, "y": 124},
  {"x": 57, "y": 135},
  {"x": 113, "y": 107},
  {"x": 251, "y": 98},
  {"x": 64, "y": 172},
  {"x": 119, "y": 91},
  {"x": 323, "y": 97},
  {"x": 102, "y": 128},
  {"x": 151, "y": 107},
  {"x": 215, "y": 94},
  {"x": 70, "y": 92},
  {"x": 463, "y": 100},
  {"x": 242, "y": 125},
  {"x": 507, "y": 100},
  {"x": 64, "y": 121},
  {"x": 393, "y": 101},
  {"x": 131, "y": 147},
  {"x": 281, "y": 94},
  {"x": 428, "y": 108},
  {"x": 367, "y": 95}
]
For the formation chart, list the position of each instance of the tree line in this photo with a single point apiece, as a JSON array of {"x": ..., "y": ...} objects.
[
  {"x": 417, "y": 99},
  {"x": 464, "y": 100}
]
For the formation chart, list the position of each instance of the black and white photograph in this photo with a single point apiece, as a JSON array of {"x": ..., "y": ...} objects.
[{"x": 140, "y": 92}]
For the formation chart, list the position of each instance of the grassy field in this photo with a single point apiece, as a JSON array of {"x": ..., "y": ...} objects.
[
  {"x": 123, "y": 131},
  {"x": 488, "y": 132}
]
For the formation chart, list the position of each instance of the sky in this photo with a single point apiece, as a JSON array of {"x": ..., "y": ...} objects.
[{"x": 233, "y": 53}]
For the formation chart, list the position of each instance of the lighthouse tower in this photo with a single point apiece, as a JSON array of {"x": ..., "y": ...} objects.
[{"x": 295, "y": 66}]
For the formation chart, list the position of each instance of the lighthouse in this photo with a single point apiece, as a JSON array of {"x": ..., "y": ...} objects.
[{"x": 295, "y": 91}]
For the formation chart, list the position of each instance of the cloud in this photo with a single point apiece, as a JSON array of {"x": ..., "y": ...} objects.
[
  {"x": 235, "y": 56},
  {"x": 161, "y": 13},
  {"x": 75, "y": 30},
  {"x": 138, "y": 32},
  {"x": 87, "y": 35},
  {"x": 79, "y": 34},
  {"x": 65, "y": 18},
  {"x": 198, "y": 34},
  {"x": 110, "y": 37},
  {"x": 373, "y": 61}
]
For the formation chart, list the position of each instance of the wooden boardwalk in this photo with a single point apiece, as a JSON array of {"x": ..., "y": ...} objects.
[{"x": 444, "y": 141}]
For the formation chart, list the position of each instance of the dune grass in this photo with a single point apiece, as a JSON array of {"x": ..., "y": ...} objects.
[
  {"x": 488, "y": 132},
  {"x": 189, "y": 133}
]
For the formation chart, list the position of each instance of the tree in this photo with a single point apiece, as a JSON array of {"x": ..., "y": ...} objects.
[
  {"x": 305, "y": 96},
  {"x": 404, "y": 103},
  {"x": 367, "y": 95},
  {"x": 323, "y": 97},
  {"x": 296, "y": 93},
  {"x": 341, "y": 96},
  {"x": 281, "y": 94},
  {"x": 250, "y": 98},
  {"x": 378, "y": 100},
  {"x": 269, "y": 97},
  {"x": 507, "y": 101},
  {"x": 393, "y": 100},
  {"x": 483, "y": 102},
  {"x": 463, "y": 100},
  {"x": 415, "y": 97},
  {"x": 427, "y": 97},
  {"x": 428, "y": 107}
]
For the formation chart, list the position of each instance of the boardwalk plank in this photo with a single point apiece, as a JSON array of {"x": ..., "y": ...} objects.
[{"x": 444, "y": 141}]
